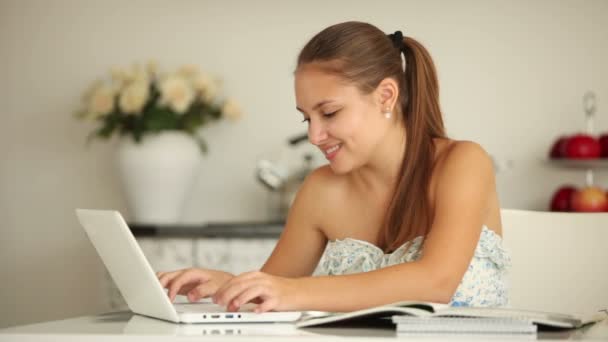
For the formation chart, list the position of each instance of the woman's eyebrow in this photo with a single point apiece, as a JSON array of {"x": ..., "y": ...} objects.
[{"x": 315, "y": 106}]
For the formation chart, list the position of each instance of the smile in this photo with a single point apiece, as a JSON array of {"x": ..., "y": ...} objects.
[{"x": 331, "y": 152}]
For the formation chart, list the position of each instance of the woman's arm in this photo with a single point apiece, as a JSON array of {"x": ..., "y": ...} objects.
[
  {"x": 296, "y": 254},
  {"x": 302, "y": 243},
  {"x": 463, "y": 189},
  {"x": 462, "y": 196}
]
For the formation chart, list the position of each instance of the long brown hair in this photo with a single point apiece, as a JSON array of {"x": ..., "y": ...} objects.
[{"x": 364, "y": 55}]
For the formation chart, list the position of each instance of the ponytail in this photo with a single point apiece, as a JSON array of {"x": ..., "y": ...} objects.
[{"x": 409, "y": 213}]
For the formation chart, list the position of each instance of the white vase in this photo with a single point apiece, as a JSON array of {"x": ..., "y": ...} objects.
[{"x": 157, "y": 175}]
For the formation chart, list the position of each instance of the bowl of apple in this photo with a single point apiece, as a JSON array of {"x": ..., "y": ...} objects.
[{"x": 588, "y": 199}]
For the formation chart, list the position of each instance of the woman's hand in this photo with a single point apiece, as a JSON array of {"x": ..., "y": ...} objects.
[
  {"x": 270, "y": 292},
  {"x": 195, "y": 283}
]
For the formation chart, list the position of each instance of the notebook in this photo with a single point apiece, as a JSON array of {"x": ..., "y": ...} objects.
[
  {"x": 436, "y": 310},
  {"x": 463, "y": 325}
]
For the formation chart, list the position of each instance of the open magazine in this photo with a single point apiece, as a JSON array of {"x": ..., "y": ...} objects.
[{"x": 427, "y": 309}]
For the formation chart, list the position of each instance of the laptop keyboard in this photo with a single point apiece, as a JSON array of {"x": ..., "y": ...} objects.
[
  {"x": 207, "y": 307},
  {"x": 198, "y": 307}
]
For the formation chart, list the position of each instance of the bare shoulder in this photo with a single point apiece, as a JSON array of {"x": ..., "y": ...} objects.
[
  {"x": 463, "y": 156},
  {"x": 319, "y": 191},
  {"x": 322, "y": 174},
  {"x": 460, "y": 166},
  {"x": 323, "y": 185},
  {"x": 464, "y": 176}
]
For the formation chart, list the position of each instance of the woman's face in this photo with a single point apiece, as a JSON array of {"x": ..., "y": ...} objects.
[{"x": 343, "y": 123}]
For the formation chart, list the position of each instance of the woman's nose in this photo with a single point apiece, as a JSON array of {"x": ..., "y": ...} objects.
[{"x": 317, "y": 133}]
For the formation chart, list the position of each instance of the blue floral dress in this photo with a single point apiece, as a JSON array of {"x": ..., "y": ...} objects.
[{"x": 483, "y": 284}]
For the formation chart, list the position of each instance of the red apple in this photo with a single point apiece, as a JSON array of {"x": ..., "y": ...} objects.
[
  {"x": 589, "y": 199},
  {"x": 562, "y": 198},
  {"x": 559, "y": 147},
  {"x": 582, "y": 146},
  {"x": 604, "y": 145}
]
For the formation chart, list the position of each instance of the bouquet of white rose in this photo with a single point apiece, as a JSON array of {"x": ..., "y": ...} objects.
[{"x": 142, "y": 100}]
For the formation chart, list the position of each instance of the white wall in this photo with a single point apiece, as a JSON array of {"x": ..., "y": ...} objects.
[{"x": 512, "y": 77}]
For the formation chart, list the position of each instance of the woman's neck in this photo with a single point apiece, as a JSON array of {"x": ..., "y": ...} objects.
[{"x": 381, "y": 173}]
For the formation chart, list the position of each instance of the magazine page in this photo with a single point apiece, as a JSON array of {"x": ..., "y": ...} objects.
[{"x": 410, "y": 308}]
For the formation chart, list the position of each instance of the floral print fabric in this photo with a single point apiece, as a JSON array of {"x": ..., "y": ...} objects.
[{"x": 483, "y": 284}]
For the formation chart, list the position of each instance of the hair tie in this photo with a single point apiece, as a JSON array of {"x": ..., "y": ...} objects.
[{"x": 397, "y": 39}]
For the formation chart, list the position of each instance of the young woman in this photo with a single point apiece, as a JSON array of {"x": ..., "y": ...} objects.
[{"x": 401, "y": 212}]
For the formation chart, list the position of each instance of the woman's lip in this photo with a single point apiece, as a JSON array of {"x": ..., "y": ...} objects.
[{"x": 332, "y": 155}]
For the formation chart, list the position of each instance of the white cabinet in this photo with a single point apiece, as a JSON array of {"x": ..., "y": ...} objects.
[
  {"x": 247, "y": 254},
  {"x": 167, "y": 254}
]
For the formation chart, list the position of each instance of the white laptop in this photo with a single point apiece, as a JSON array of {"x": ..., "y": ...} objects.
[
  {"x": 141, "y": 325},
  {"x": 139, "y": 285}
]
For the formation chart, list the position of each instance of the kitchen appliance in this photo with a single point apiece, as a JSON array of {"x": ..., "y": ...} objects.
[{"x": 284, "y": 177}]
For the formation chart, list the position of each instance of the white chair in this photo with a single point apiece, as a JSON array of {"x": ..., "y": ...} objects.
[{"x": 559, "y": 260}]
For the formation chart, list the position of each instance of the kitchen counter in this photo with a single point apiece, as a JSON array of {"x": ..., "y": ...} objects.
[{"x": 245, "y": 230}]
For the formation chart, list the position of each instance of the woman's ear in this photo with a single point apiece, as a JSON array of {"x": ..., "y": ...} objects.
[{"x": 387, "y": 93}]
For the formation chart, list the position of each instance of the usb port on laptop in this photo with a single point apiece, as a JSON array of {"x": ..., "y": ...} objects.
[{"x": 229, "y": 316}]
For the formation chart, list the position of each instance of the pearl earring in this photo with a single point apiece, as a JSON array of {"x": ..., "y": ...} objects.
[{"x": 387, "y": 113}]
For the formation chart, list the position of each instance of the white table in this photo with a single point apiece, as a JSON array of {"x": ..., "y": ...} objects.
[{"x": 125, "y": 326}]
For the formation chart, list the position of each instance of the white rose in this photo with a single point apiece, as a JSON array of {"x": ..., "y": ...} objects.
[
  {"x": 177, "y": 93},
  {"x": 152, "y": 67},
  {"x": 119, "y": 75},
  {"x": 206, "y": 87},
  {"x": 91, "y": 89},
  {"x": 189, "y": 71},
  {"x": 138, "y": 73},
  {"x": 201, "y": 82},
  {"x": 210, "y": 93},
  {"x": 134, "y": 73},
  {"x": 117, "y": 87},
  {"x": 101, "y": 101},
  {"x": 134, "y": 97},
  {"x": 231, "y": 110}
]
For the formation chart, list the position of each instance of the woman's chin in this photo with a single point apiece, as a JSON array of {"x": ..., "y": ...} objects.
[{"x": 339, "y": 168}]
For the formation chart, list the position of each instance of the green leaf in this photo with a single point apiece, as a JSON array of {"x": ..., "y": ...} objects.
[
  {"x": 110, "y": 123},
  {"x": 106, "y": 130},
  {"x": 137, "y": 135},
  {"x": 202, "y": 144},
  {"x": 158, "y": 119},
  {"x": 90, "y": 138},
  {"x": 191, "y": 121},
  {"x": 152, "y": 100},
  {"x": 216, "y": 112}
]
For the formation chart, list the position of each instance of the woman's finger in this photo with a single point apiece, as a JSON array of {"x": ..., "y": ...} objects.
[
  {"x": 166, "y": 277},
  {"x": 235, "y": 281},
  {"x": 186, "y": 288},
  {"x": 244, "y": 277},
  {"x": 227, "y": 293},
  {"x": 247, "y": 296},
  {"x": 269, "y": 303},
  {"x": 203, "y": 290},
  {"x": 187, "y": 277}
]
